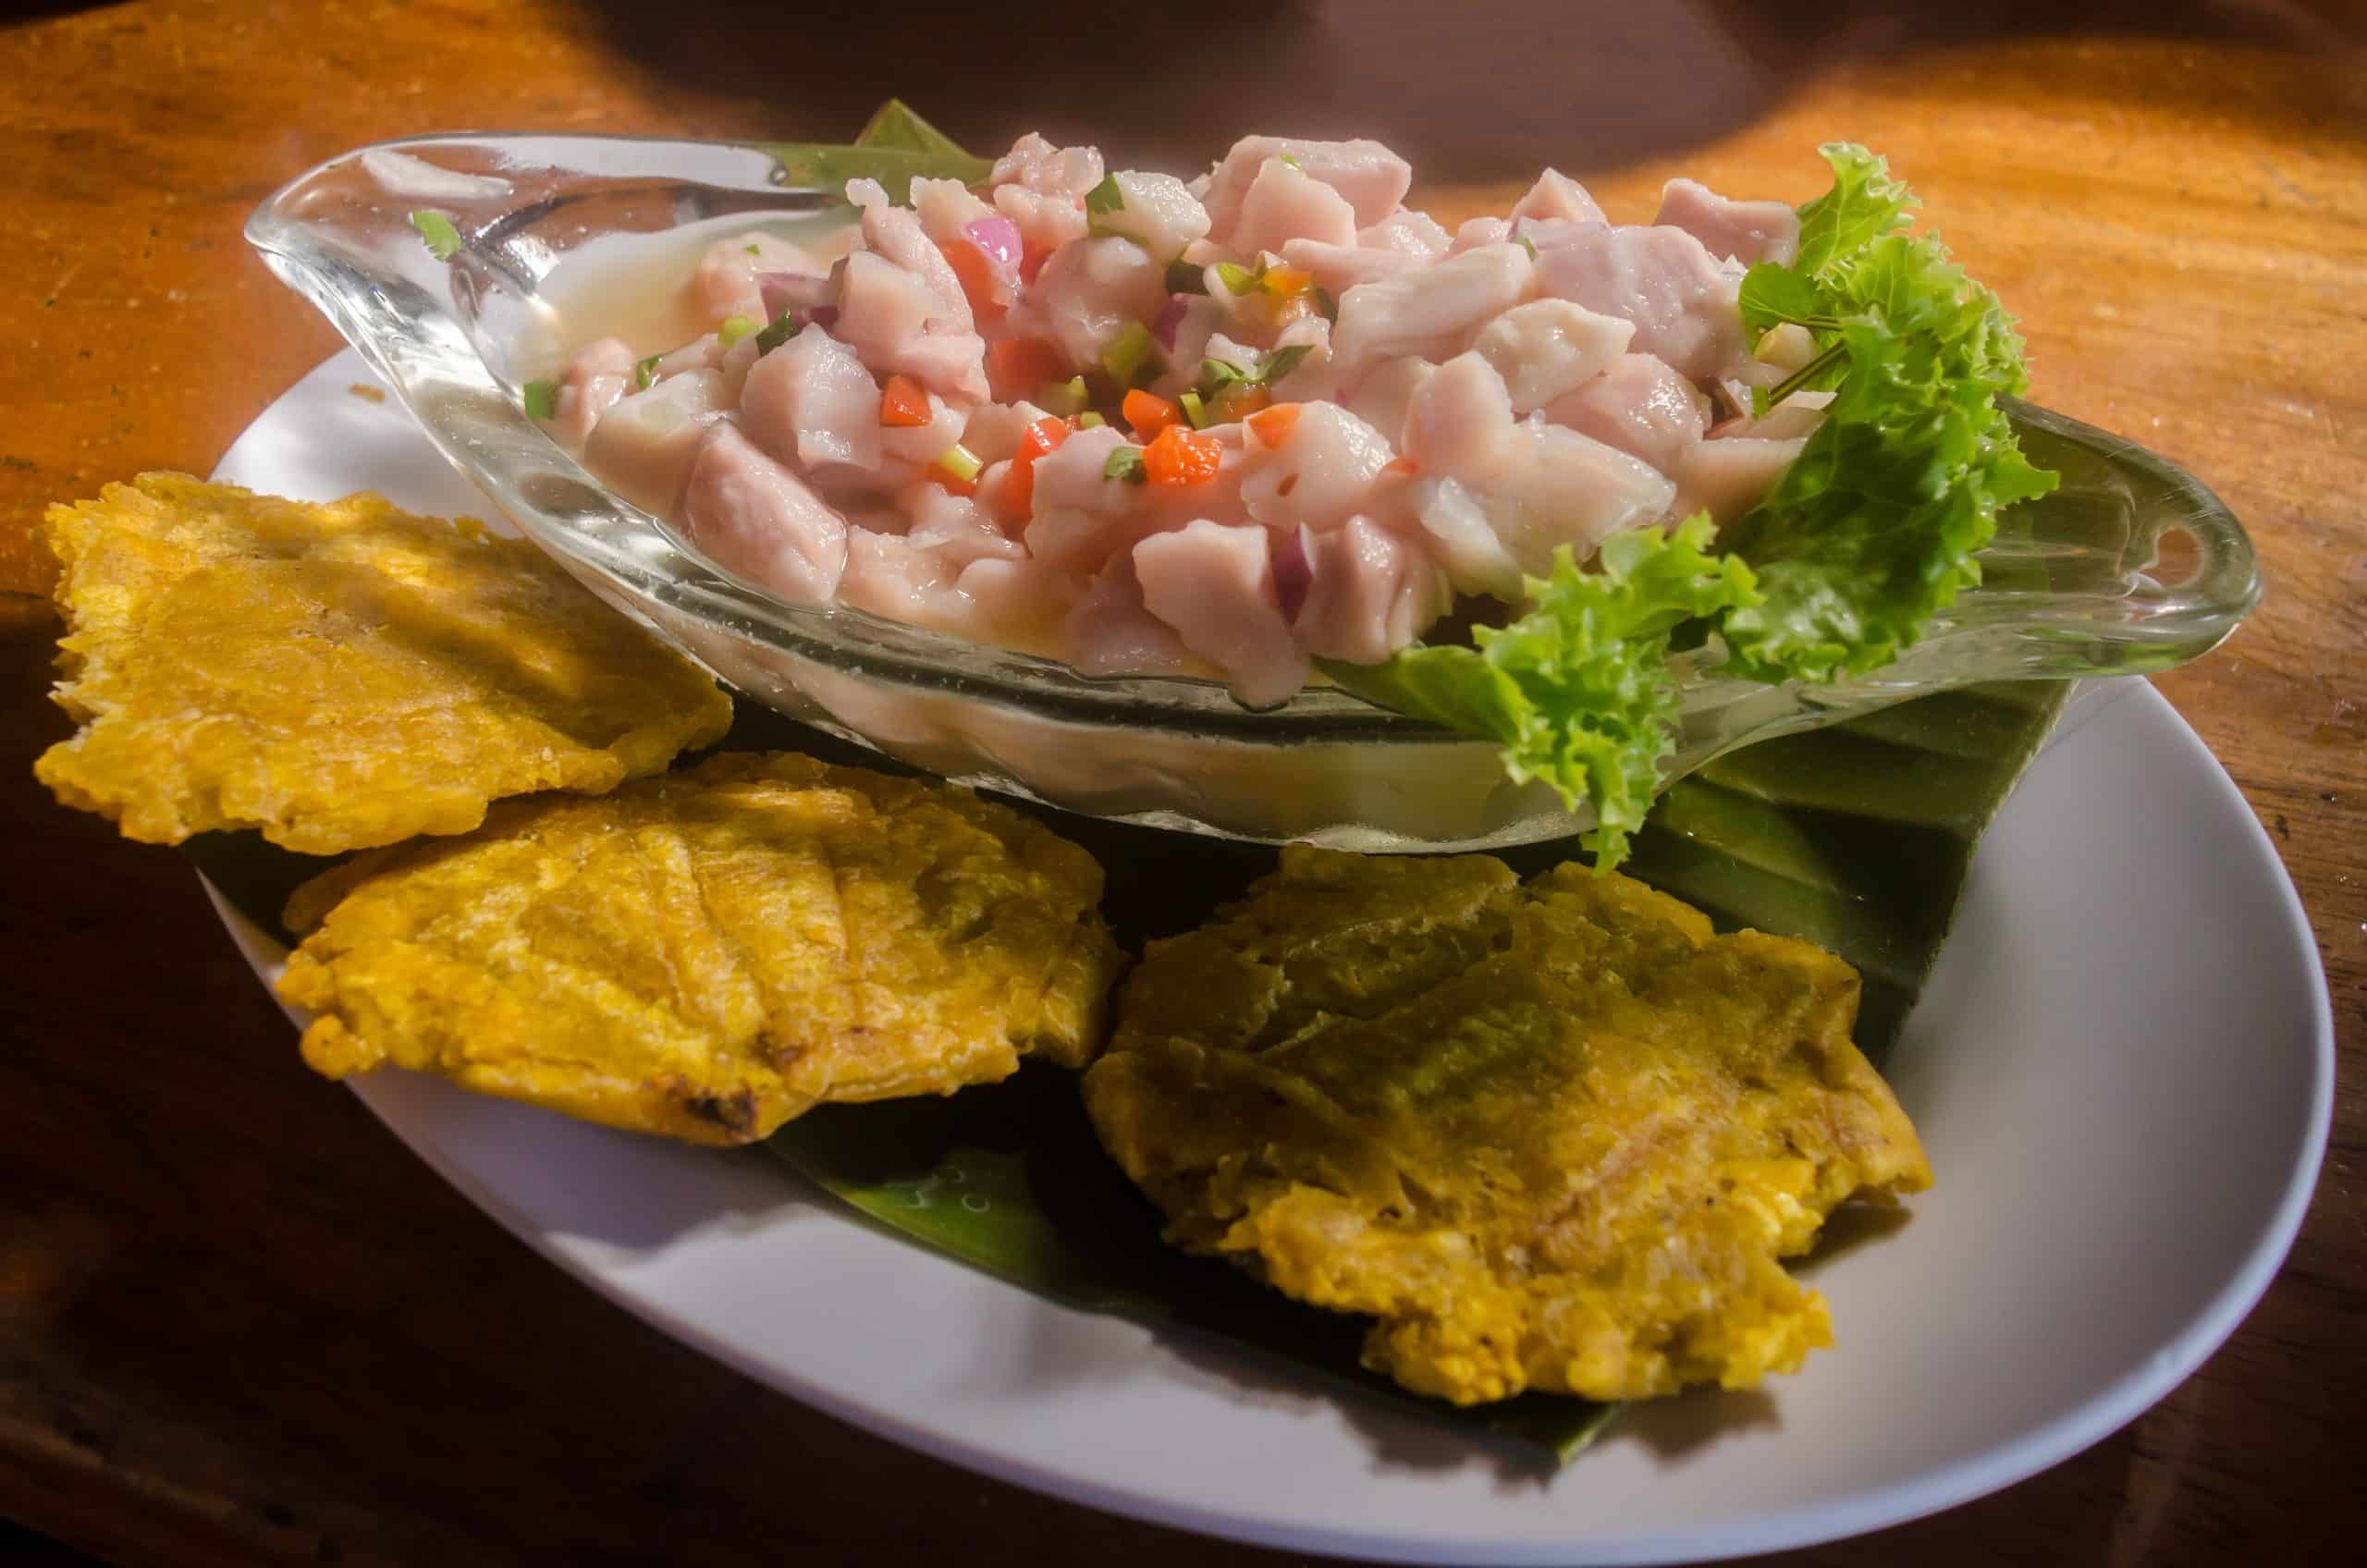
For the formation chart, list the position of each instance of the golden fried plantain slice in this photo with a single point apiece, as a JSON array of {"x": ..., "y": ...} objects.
[
  {"x": 710, "y": 953},
  {"x": 1554, "y": 1136},
  {"x": 339, "y": 675}
]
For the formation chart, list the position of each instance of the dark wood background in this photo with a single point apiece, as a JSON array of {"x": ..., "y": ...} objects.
[{"x": 238, "y": 1323}]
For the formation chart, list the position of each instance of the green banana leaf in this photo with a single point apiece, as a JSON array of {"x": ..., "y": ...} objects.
[
  {"x": 895, "y": 145},
  {"x": 1856, "y": 837}
]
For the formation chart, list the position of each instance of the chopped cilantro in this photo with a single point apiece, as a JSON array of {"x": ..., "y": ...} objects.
[
  {"x": 442, "y": 235},
  {"x": 784, "y": 326},
  {"x": 1216, "y": 375}
]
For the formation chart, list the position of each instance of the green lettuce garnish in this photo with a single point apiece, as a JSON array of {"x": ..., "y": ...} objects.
[
  {"x": 1869, "y": 532},
  {"x": 1875, "y": 527},
  {"x": 1576, "y": 689}
]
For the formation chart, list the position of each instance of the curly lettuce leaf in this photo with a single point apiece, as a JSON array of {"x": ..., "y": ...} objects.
[
  {"x": 1576, "y": 689},
  {"x": 1864, "y": 204},
  {"x": 1877, "y": 525}
]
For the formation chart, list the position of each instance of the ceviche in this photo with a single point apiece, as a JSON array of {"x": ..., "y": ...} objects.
[{"x": 1271, "y": 425}]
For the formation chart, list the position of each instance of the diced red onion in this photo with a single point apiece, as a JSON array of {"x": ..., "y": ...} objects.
[
  {"x": 786, "y": 290},
  {"x": 1293, "y": 573},
  {"x": 1170, "y": 317},
  {"x": 823, "y": 316},
  {"x": 998, "y": 236}
]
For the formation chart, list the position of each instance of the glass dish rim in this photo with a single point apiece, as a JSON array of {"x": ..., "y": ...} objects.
[{"x": 859, "y": 643}]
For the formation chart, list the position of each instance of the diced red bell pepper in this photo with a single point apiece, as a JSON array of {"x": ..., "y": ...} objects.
[
  {"x": 902, "y": 404},
  {"x": 1148, "y": 413},
  {"x": 1018, "y": 499},
  {"x": 1181, "y": 455}
]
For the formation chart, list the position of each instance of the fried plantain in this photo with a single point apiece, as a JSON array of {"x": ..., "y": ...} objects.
[
  {"x": 339, "y": 676},
  {"x": 1553, "y": 1136},
  {"x": 710, "y": 953}
]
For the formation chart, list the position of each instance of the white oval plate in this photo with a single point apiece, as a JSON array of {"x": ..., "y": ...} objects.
[{"x": 2122, "y": 1072}]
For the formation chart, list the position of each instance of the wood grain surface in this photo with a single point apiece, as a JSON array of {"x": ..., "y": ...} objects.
[{"x": 240, "y": 1323}]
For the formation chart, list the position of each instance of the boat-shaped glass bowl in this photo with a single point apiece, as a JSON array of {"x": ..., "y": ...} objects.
[{"x": 2131, "y": 566}]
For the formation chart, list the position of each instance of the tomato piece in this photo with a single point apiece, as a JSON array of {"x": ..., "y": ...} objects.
[
  {"x": 1148, "y": 413},
  {"x": 902, "y": 404},
  {"x": 1405, "y": 466},
  {"x": 1044, "y": 435},
  {"x": 1180, "y": 455},
  {"x": 1017, "y": 366},
  {"x": 1031, "y": 262},
  {"x": 951, "y": 482},
  {"x": 1018, "y": 498},
  {"x": 1273, "y": 427}
]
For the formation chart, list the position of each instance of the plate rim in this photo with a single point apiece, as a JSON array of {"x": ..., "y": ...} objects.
[{"x": 2095, "y": 1417}]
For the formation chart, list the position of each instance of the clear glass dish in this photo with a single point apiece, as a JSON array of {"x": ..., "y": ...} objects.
[{"x": 2132, "y": 566}]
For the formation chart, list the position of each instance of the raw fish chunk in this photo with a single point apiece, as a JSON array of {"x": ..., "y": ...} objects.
[
  {"x": 1284, "y": 204},
  {"x": 1557, "y": 197},
  {"x": 1749, "y": 232},
  {"x": 1682, "y": 299},
  {"x": 1640, "y": 406},
  {"x": 1550, "y": 347},
  {"x": 1726, "y": 477},
  {"x": 1322, "y": 471},
  {"x": 1369, "y": 592},
  {"x": 599, "y": 374},
  {"x": 1431, "y": 310},
  {"x": 810, "y": 401},
  {"x": 724, "y": 283},
  {"x": 1091, "y": 291},
  {"x": 1459, "y": 422},
  {"x": 1373, "y": 178},
  {"x": 643, "y": 443},
  {"x": 752, "y": 516},
  {"x": 1035, "y": 163},
  {"x": 1215, "y": 585},
  {"x": 1157, "y": 213}
]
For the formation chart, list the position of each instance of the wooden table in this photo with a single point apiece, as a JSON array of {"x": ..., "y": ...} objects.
[{"x": 238, "y": 1323}]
